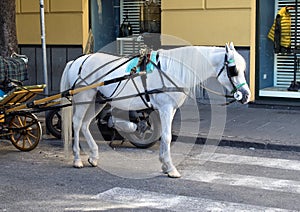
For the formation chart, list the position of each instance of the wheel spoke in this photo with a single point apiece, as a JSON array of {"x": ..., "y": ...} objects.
[
  {"x": 18, "y": 140},
  {"x": 20, "y": 121},
  {"x": 25, "y": 131},
  {"x": 28, "y": 139},
  {"x": 15, "y": 125},
  {"x": 31, "y": 135}
]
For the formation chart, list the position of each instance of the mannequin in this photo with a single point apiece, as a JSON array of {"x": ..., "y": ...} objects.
[{"x": 280, "y": 32}]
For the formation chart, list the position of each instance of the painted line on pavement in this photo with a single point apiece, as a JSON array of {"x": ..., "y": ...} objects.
[
  {"x": 247, "y": 181},
  {"x": 125, "y": 198},
  {"x": 249, "y": 160}
]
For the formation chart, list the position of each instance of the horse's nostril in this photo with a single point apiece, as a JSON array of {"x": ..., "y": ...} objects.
[{"x": 246, "y": 98}]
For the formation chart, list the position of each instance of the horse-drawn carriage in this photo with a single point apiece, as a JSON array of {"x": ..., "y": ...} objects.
[{"x": 174, "y": 75}]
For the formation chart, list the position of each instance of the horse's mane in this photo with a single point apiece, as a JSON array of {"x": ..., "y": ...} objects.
[{"x": 191, "y": 65}]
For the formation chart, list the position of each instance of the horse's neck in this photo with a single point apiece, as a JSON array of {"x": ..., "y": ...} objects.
[
  {"x": 217, "y": 59},
  {"x": 202, "y": 62}
]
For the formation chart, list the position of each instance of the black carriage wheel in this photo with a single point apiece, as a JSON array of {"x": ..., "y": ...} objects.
[
  {"x": 25, "y": 131},
  {"x": 53, "y": 123},
  {"x": 148, "y": 132}
]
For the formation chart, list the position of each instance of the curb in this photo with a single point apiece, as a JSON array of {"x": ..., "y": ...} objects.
[{"x": 243, "y": 144}]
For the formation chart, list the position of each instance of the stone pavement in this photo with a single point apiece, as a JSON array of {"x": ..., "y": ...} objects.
[{"x": 248, "y": 126}]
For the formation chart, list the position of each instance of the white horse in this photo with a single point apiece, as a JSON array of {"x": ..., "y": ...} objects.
[{"x": 183, "y": 67}]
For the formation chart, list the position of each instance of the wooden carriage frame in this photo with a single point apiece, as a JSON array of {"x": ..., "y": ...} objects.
[{"x": 20, "y": 125}]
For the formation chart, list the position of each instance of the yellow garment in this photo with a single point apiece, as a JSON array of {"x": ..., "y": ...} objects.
[{"x": 285, "y": 28}]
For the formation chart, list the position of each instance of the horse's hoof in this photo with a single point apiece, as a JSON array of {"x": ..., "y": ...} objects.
[
  {"x": 174, "y": 174},
  {"x": 78, "y": 164},
  {"x": 93, "y": 163}
]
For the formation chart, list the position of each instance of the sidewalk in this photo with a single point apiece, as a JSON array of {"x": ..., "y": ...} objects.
[{"x": 248, "y": 127}]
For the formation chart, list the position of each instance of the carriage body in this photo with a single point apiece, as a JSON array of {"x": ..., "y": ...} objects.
[{"x": 21, "y": 127}]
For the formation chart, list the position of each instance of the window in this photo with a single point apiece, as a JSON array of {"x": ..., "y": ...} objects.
[
  {"x": 284, "y": 63},
  {"x": 276, "y": 71},
  {"x": 144, "y": 17}
]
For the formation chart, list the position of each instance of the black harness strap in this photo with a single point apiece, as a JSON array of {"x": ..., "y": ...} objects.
[
  {"x": 100, "y": 67},
  {"x": 80, "y": 68},
  {"x": 79, "y": 71},
  {"x": 112, "y": 70},
  {"x": 168, "y": 78},
  {"x": 164, "y": 88},
  {"x": 146, "y": 93},
  {"x": 140, "y": 94},
  {"x": 159, "y": 68}
]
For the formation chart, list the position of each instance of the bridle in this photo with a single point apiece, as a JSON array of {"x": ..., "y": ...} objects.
[{"x": 230, "y": 67}]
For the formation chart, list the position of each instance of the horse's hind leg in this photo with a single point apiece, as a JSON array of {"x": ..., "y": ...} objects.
[
  {"x": 79, "y": 113},
  {"x": 166, "y": 116},
  {"x": 90, "y": 114}
]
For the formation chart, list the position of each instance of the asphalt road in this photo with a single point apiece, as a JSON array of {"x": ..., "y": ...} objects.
[{"x": 213, "y": 179}]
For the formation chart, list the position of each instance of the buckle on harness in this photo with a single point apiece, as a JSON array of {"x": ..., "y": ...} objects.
[{"x": 144, "y": 59}]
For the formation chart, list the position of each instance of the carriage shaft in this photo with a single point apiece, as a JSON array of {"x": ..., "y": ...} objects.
[{"x": 47, "y": 100}]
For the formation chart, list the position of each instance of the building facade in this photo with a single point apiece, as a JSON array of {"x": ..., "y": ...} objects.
[
  {"x": 195, "y": 22},
  {"x": 67, "y": 27}
]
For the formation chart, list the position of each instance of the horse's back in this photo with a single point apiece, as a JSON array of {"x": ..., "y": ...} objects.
[{"x": 96, "y": 64}]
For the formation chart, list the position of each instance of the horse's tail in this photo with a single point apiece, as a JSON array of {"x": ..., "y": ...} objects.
[{"x": 66, "y": 112}]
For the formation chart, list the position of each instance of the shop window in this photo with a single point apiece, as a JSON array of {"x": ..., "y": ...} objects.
[{"x": 277, "y": 70}]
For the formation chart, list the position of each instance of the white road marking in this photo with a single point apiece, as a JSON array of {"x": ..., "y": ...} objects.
[
  {"x": 247, "y": 181},
  {"x": 130, "y": 199},
  {"x": 126, "y": 198},
  {"x": 249, "y": 160}
]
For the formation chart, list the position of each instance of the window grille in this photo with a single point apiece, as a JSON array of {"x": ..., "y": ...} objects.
[
  {"x": 284, "y": 63},
  {"x": 131, "y": 8}
]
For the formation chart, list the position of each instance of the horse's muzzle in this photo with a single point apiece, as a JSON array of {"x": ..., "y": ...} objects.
[{"x": 245, "y": 96}]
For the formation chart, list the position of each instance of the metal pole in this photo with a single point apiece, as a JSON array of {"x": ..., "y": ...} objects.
[
  {"x": 44, "y": 50},
  {"x": 43, "y": 39}
]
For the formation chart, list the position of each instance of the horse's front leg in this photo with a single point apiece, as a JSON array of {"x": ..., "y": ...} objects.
[{"x": 166, "y": 116}]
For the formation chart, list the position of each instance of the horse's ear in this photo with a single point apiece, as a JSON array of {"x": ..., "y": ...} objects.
[
  {"x": 226, "y": 47},
  {"x": 231, "y": 46}
]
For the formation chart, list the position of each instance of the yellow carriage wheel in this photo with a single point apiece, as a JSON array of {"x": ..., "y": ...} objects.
[{"x": 25, "y": 131}]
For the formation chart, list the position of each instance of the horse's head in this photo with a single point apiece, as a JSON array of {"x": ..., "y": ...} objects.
[{"x": 232, "y": 75}]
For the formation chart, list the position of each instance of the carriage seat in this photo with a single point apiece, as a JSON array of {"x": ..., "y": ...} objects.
[{"x": 21, "y": 94}]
